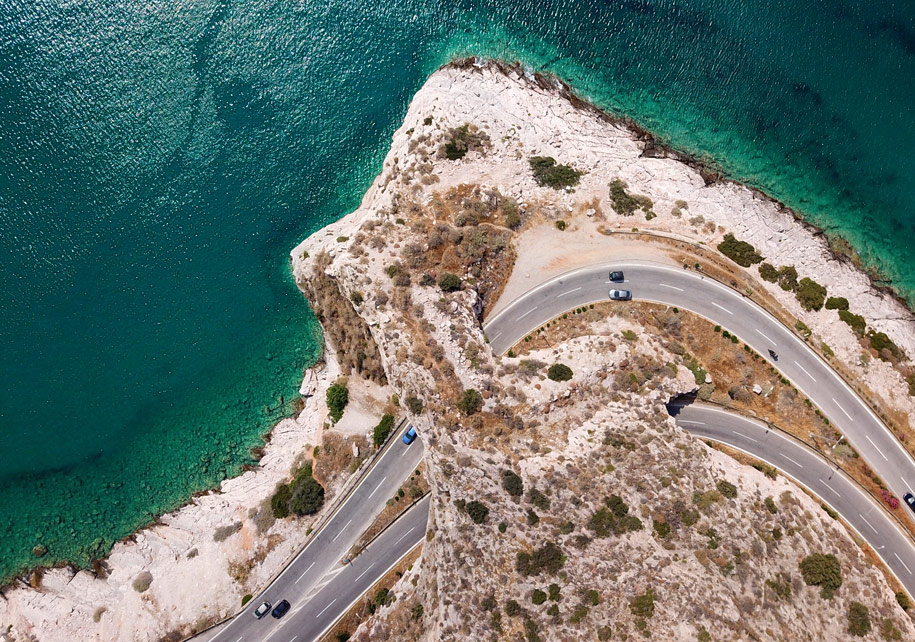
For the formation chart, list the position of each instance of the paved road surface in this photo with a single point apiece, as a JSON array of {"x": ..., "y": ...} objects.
[
  {"x": 692, "y": 291},
  {"x": 812, "y": 471},
  {"x": 342, "y": 588},
  {"x": 325, "y": 553}
]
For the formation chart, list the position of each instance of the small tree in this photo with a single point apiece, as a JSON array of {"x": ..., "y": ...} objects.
[
  {"x": 449, "y": 282},
  {"x": 559, "y": 372},
  {"x": 470, "y": 402},
  {"x": 741, "y": 252},
  {"x": 383, "y": 429},
  {"x": 414, "y": 404},
  {"x": 478, "y": 511},
  {"x": 548, "y": 173},
  {"x": 859, "y": 621},
  {"x": 837, "y": 303},
  {"x": 512, "y": 483},
  {"x": 810, "y": 294},
  {"x": 337, "y": 398},
  {"x": 306, "y": 496},
  {"x": 823, "y": 571}
]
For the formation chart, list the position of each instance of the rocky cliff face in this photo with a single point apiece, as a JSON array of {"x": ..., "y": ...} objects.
[{"x": 576, "y": 509}]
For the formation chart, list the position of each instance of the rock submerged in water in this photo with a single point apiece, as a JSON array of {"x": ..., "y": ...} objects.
[{"x": 39, "y": 550}]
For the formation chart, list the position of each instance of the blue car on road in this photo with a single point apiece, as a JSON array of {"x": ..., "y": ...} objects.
[{"x": 410, "y": 436}]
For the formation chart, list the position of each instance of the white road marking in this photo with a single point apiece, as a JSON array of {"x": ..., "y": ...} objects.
[
  {"x": 240, "y": 639},
  {"x": 688, "y": 421},
  {"x": 405, "y": 450},
  {"x": 341, "y": 532},
  {"x": 875, "y": 448},
  {"x": 901, "y": 562},
  {"x": 791, "y": 460},
  {"x": 672, "y": 287},
  {"x": 496, "y": 338},
  {"x": 905, "y": 483},
  {"x": 404, "y": 535},
  {"x": 569, "y": 292},
  {"x": 527, "y": 313},
  {"x": 842, "y": 409},
  {"x": 766, "y": 337},
  {"x": 805, "y": 371},
  {"x": 293, "y": 638},
  {"x": 876, "y": 532},
  {"x": 303, "y": 574},
  {"x": 364, "y": 572},
  {"x": 830, "y": 488},
  {"x": 326, "y": 607},
  {"x": 740, "y": 434},
  {"x": 722, "y": 308},
  {"x": 378, "y": 486}
]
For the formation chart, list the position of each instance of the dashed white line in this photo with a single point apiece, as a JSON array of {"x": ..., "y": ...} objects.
[
  {"x": 791, "y": 460},
  {"x": 876, "y": 532},
  {"x": 830, "y": 488},
  {"x": 496, "y": 338},
  {"x": 378, "y": 486},
  {"x": 805, "y": 371},
  {"x": 326, "y": 607},
  {"x": 527, "y": 313},
  {"x": 341, "y": 532},
  {"x": 672, "y": 287},
  {"x": 875, "y": 448},
  {"x": 901, "y": 562},
  {"x": 293, "y": 638},
  {"x": 303, "y": 574},
  {"x": 842, "y": 409},
  {"x": 364, "y": 572},
  {"x": 405, "y": 451},
  {"x": 740, "y": 434},
  {"x": 404, "y": 535},
  {"x": 765, "y": 337},
  {"x": 558, "y": 296},
  {"x": 721, "y": 307},
  {"x": 689, "y": 421}
]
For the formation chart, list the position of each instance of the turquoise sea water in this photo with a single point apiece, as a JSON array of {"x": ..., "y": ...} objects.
[{"x": 159, "y": 160}]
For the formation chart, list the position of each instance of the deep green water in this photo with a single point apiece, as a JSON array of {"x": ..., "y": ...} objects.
[{"x": 159, "y": 160}]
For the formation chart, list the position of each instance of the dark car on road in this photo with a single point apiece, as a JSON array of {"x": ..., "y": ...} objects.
[
  {"x": 410, "y": 436},
  {"x": 262, "y": 610},
  {"x": 616, "y": 277},
  {"x": 910, "y": 500},
  {"x": 280, "y": 609},
  {"x": 620, "y": 295}
]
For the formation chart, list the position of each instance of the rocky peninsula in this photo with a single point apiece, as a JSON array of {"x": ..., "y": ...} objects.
[{"x": 566, "y": 503}]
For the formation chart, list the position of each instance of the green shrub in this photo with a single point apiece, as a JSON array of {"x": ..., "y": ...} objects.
[
  {"x": 559, "y": 372},
  {"x": 246, "y": 598},
  {"x": 538, "y": 597},
  {"x": 503, "y": 527},
  {"x": 626, "y": 204},
  {"x": 548, "y": 558},
  {"x": 343, "y": 636},
  {"x": 357, "y": 298},
  {"x": 823, "y": 571},
  {"x": 414, "y": 405},
  {"x": 829, "y": 511},
  {"x": 554, "y": 592},
  {"x": 801, "y": 327},
  {"x": 880, "y": 342},
  {"x": 859, "y": 622},
  {"x": 662, "y": 529},
  {"x": 643, "y": 605},
  {"x": 741, "y": 252},
  {"x": 781, "y": 585},
  {"x": 337, "y": 398},
  {"x": 688, "y": 517},
  {"x": 306, "y": 495},
  {"x": 837, "y": 303},
  {"x": 512, "y": 608},
  {"x": 727, "y": 489},
  {"x": 548, "y": 173},
  {"x": 561, "y": 225},
  {"x": 810, "y": 294},
  {"x": 630, "y": 335},
  {"x": 768, "y": 272},
  {"x": 854, "y": 321},
  {"x": 770, "y": 505},
  {"x": 512, "y": 483},
  {"x": 512, "y": 219},
  {"x": 538, "y": 499},
  {"x": 902, "y": 598},
  {"x": 478, "y": 511},
  {"x": 417, "y": 611},
  {"x": 470, "y": 402},
  {"x": 578, "y": 614},
  {"x": 706, "y": 499},
  {"x": 593, "y": 597},
  {"x": 713, "y": 538},
  {"x": 279, "y": 503},
  {"x": 532, "y": 518},
  {"x": 449, "y": 282},
  {"x": 787, "y": 278},
  {"x": 614, "y": 519},
  {"x": 468, "y": 137},
  {"x": 383, "y": 429}
]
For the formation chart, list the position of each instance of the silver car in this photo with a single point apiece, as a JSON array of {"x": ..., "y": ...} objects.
[
  {"x": 262, "y": 610},
  {"x": 620, "y": 295}
]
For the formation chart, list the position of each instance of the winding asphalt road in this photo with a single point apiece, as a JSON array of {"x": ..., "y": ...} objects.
[
  {"x": 706, "y": 297},
  {"x": 322, "y": 559},
  {"x": 811, "y": 470}
]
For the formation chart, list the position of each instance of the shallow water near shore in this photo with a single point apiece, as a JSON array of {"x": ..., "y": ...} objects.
[{"x": 158, "y": 162}]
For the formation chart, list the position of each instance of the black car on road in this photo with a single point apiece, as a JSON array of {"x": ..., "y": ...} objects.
[
  {"x": 616, "y": 277},
  {"x": 280, "y": 609},
  {"x": 910, "y": 500}
]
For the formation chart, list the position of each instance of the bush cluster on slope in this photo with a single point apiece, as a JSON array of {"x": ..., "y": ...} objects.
[
  {"x": 337, "y": 398},
  {"x": 549, "y": 173},
  {"x": 383, "y": 429},
  {"x": 823, "y": 571},
  {"x": 741, "y": 252},
  {"x": 302, "y": 496}
]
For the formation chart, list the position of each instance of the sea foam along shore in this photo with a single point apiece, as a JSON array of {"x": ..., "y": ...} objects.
[{"x": 536, "y": 115}]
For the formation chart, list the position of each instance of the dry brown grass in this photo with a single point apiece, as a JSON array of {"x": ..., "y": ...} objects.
[{"x": 335, "y": 456}]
